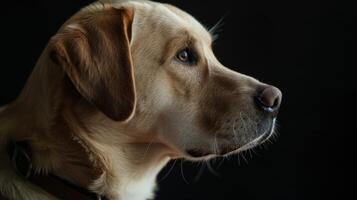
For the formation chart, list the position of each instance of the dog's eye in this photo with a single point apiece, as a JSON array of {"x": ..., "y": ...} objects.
[{"x": 186, "y": 56}]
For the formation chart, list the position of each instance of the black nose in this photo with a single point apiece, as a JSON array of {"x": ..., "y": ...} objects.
[{"x": 269, "y": 100}]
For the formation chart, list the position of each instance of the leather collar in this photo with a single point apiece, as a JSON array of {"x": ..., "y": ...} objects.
[{"x": 21, "y": 158}]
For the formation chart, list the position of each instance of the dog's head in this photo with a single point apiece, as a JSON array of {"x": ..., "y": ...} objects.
[{"x": 150, "y": 67}]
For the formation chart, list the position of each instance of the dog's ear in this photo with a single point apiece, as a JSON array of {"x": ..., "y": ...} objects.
[{"x": 94, "y": 51}]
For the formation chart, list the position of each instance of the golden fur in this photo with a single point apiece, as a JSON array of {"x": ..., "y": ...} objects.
[{"x": 107, "y": 105}]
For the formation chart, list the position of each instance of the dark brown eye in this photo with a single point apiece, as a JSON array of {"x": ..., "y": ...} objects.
[{"x": 186, "y": 56}]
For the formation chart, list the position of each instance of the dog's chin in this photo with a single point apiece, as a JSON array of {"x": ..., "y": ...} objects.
[{"x": 197, "y": 155}]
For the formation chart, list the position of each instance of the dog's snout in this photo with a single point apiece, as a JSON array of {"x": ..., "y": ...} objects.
[{"x": 269, "y": 99}]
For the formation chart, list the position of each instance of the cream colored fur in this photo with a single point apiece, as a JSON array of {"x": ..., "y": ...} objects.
[{"x": 173, "y": 102}]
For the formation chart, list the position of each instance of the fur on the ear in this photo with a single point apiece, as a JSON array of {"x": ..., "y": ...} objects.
[{"x": 94, "y": 51}]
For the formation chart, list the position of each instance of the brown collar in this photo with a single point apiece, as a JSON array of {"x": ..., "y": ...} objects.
[{"x": 20, "y": 154}]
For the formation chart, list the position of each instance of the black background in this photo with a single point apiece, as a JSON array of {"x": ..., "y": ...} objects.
[{"x": 297, "y": 46}]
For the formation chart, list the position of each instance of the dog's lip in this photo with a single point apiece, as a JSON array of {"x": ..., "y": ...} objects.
[
  {"x": 200, "y": 154},
  {"x": 197, "y": 153},
  {"x": 257, "y": 141},
  {"x": 172, "y": 151},
  {"x": 269, "y": 133}
]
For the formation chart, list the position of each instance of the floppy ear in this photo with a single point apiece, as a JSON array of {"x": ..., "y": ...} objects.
[{"x": 95, "y": 54}]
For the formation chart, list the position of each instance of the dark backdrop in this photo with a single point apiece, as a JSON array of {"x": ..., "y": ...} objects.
[{"x": 295, "y": 45}]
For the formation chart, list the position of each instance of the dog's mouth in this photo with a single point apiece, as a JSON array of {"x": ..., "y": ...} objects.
[{"x": 201, "y": 154}]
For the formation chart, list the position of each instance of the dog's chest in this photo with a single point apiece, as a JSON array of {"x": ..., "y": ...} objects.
[{"x": 139, "y": 189}]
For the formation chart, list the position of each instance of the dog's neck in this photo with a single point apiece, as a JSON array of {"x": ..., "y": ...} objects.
[
  {"x": 101, "y": 162},
  {"x": 79, "y": 144}
]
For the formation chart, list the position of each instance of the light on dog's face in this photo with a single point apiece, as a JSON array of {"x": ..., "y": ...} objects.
[{"x": 205, "y": 108}]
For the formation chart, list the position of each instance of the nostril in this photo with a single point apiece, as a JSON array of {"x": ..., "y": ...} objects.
[
  {"x": 276, "y": 103},
  {"x": 269, "y": 99}
]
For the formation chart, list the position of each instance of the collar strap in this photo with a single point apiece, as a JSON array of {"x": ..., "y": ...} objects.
[{"x": 21, "y": 159}]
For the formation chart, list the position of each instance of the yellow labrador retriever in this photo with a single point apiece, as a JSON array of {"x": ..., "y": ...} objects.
[{"x": 122, "y": 88}]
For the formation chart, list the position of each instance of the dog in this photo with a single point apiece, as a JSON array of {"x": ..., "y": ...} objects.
[{"x": 121, "y": 89}]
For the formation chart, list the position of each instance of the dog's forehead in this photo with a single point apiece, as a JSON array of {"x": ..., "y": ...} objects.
[
  {"x": 189, "y": 23},
  {"x": 167, "y": 16}
]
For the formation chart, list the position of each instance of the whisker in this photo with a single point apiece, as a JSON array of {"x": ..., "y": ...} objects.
[
  {"x": 250, "y": 153},
  {"x": 147, "y": 149},
  {"x": 235, "y": 138},
  {"x": 221, "y": 162},
  {"x": 209, "y": 167},
  {"x": 183, "y": 176},
  {"x": 215, "y": 144},
  {"x": 216, "y": 28},
  {"x": 238, "y": 159},
  {"x": 167, "y": 174},
  {"x": 255, "y": 152},
  {"x": 200, "y": 171},
  {"x": 245, "y": 160}
]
